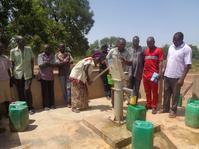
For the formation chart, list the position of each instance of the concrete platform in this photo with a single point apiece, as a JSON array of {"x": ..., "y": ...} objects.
[
  {"x": 114, "y": 135},
  {"x": 180, "y": 135},
  {"x": 57, "y": 129},
  {"x": 61, "y": 128}
]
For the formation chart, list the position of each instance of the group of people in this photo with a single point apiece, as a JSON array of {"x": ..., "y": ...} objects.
[
  {"x": 19, "y": 70},
  {"x": 146, "y": 64}
]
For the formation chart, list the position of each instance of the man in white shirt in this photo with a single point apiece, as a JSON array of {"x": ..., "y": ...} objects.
[{"x": 179, "y": 62}]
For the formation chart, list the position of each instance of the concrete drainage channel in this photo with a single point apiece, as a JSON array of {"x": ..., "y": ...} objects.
[{"x": 119, "y": 137}]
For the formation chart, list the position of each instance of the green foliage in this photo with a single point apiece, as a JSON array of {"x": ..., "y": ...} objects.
[
  {"x": 110, "y": 41},
  {"x": 165, "y": 50},
  {"x": 47, "y": 21},
  {"x": 195, "y": 52}
]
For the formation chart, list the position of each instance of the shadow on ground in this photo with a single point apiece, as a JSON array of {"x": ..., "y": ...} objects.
[
  {"x": 100, "y": 107},
  {"x": 8, "y": 139},
  {"x": 181, "y": 111},
  {"x": 31, "y": 121},
  {"x": 31, "y": 128}
]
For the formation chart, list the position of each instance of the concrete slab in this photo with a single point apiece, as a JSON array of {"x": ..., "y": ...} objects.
[
  {"x": 59, "y": 128},
  {"x": 160, "y": 141},
  {"x": 180, "y": 135},
  {"x": 114, "y": 135}
]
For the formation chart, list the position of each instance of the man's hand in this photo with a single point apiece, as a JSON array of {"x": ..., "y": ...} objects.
[
  {"x": 160, "y": 76},
  {"x": 181, "y": 82},
  {"x": 123, "y": 60}
]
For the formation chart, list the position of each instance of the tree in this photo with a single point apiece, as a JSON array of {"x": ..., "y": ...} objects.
[
  {"x": 47, "y": 21},
  {"x": 195, "y": 52},
  {"x": 165, "y": 50},
  {"x": 110, "y": 41},
  {"x": 76, "y": 18}
]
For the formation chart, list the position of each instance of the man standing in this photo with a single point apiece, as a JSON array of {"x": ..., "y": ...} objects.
[
  {"x": 46, "y": 66},
  {"x": 179, "y": 62},
  {"x": 22, "y": 59},
  {"x": 136, "y": 66},
  {"x": 152, "y": 65},
  {"x": 63, "y": 61},
  {"x": 119, "y": 52}
]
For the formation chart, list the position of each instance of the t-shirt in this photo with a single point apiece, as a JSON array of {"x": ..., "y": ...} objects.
[
  {"x": 152, "y": 61},
  {"x": 177, "y": 59},
  {"x": 78, "y": 71},
  {"x": 137, "y": 59},
  {"x": 22, "y": 62},
  {"x": 5, "y": 64},
  {"x": 46, "y": 72}
]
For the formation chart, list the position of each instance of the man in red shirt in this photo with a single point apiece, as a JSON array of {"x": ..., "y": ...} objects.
[{"x": 152, "y": 66}]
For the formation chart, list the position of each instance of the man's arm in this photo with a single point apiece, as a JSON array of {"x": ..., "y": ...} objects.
[
  {"x": 129, "y": 63},
  {"x": 161, "y": 69},
  {"x": 181, "y": 80},
  {"x": 188, "y": 62},
  {"x": 40, "y": 62}
]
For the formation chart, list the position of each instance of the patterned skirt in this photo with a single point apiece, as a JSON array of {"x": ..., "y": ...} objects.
[{"x": 79, "y": 95}]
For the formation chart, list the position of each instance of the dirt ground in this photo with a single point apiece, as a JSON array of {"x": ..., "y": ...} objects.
[{"x": 61, "y": 128}]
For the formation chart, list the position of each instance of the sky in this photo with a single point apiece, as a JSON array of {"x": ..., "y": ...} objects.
[{"x": 158, "y": 18}]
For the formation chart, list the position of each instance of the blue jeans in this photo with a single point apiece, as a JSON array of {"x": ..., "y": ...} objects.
[{"x": 66, "y": 89}]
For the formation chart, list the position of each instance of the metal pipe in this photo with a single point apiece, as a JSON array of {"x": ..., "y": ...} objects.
[
  {"x": 127, "y": 90},
  {"x": 118, "y": 100}
]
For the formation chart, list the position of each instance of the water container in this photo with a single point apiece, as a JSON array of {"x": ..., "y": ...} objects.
[
  {"x": 109, "y": 78},
  {"x": 142, "y": 135},
  {"x": 19, "y": 103},
  {"x": 192, "y": 100},
  {"x": 180, "y": 101},
  {"x": 192, "y": 114},
  {"x": 18, "y": 116},
  {"x": 137, "y": 112}
]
